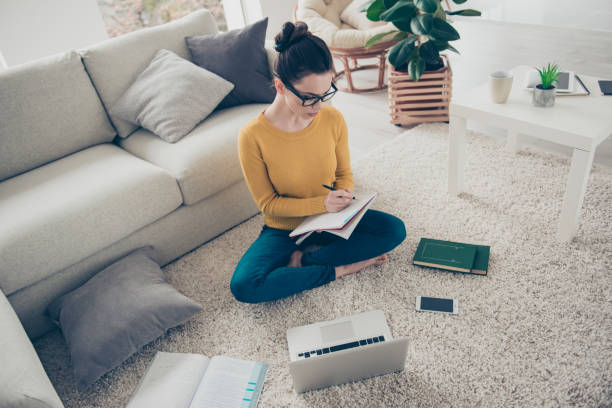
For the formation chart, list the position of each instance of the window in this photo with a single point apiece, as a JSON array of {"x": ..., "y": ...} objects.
[{"x": 123, "y": 16}]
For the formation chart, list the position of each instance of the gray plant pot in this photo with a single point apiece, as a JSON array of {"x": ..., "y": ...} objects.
[{"x": 544, "y": 98}]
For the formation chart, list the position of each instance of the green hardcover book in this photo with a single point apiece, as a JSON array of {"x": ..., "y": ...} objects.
[{"x": 452, "y": 256}]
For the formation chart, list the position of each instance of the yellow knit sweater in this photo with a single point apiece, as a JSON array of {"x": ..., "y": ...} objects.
[{"x": 285, "y": 171}]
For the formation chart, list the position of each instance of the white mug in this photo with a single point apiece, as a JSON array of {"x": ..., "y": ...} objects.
[{"x": 500, "y": 84}]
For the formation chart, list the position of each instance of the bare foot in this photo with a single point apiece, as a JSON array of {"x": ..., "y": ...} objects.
[
  {"x": 295, "y": 261},
  {"x": 381, "y": 260},
  {"x": 357, "y": 266}
]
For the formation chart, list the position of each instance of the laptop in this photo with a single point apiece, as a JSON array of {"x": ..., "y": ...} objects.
[{"x": 342, "y": 350}]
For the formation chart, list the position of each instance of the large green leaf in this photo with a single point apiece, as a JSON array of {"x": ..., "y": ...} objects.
[
  {"x": 428, "y": 6},
  {"x": 399, "y": 36},
  {"x": 375, "y": 9},
  {"x": 443, "y": 31},
  {"x": 401, "y": 51},
  {"x": 443, "y": 45},
  {"x": 402, "y": 10},
  {"x": 403, "y": 25},
  {"x": 374, "y": 40},
  {"x": 459, "y": 1},
  {"x": 466, "y": 13},
  {"x": 422, "y": 24},
  {"x": 415, "y": 68},
  {"x": 429, "y": 52},
  {"x": 453, "y": 49},
  {"x": 389, "y": 3}
]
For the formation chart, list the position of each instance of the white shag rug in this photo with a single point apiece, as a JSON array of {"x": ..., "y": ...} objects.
[{"x": 537, "y": 331}]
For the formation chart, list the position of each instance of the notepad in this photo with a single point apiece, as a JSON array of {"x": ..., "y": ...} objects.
[
  {"x": 341, "y": 223},
  {"x": 452, "y": 256},
  {"x": 185, "y": 380}
]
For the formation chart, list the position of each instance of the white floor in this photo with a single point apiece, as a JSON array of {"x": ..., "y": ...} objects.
[{"x": 487, "y": 46}]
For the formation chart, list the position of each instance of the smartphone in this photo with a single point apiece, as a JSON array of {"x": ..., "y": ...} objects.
[{"x": 431, "y": 304}]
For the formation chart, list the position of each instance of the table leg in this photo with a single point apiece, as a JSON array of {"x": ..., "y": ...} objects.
[
  {"x": 456, "y": 157},
  {"x": 513, "y": 142},
  {"x": 574, "y": 194}
]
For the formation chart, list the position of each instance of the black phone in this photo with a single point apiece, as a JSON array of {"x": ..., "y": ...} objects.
[{"x": 432, "y": 304}]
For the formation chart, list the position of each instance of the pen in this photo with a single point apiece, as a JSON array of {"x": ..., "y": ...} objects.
[
  {"x": 331, "y": 188},
  {"x": 583, "y": 85}
]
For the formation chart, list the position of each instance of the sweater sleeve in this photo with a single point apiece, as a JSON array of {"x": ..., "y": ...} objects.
[
  {"x": 344, "y": 174},
  {"x": 262, "y": 190}
]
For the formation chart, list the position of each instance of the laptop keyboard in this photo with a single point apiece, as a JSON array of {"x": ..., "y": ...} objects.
[{"x": 327, "y": 350}]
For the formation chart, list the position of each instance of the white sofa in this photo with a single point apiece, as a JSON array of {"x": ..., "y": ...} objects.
[{"x": 75, "y": 197}]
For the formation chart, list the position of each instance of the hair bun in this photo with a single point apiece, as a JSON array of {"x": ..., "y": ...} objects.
[{"x": 290, "y": 34}]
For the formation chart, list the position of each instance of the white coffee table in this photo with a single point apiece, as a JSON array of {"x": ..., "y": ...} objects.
[{"x": 580, "y": 122}]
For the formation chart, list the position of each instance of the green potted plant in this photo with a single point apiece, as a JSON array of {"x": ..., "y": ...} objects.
[
  {"x": 544, "y": 93},
  {"x": 422, "y": 32}
]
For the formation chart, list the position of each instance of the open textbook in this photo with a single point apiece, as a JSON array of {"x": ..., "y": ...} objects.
[
  {"x": 184, "y": 380},
  {"x": 341, "y": 223}
]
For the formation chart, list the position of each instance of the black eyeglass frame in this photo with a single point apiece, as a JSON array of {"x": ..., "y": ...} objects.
[{"x": 322, "y": 98}]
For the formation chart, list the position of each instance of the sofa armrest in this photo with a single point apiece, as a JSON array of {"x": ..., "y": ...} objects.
[{"x": 23, "y": 381}]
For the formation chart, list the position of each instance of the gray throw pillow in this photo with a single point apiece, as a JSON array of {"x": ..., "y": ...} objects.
[
  {"x": 171, "y": 96},
  {"x": 115, "y": 313},
  {"x": 240, "y": 57}
]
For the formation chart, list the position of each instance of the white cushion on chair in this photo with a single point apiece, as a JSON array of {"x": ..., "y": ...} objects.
[
  {"x": 353, "y": 16},
  {"x": 323, "y": 19}
]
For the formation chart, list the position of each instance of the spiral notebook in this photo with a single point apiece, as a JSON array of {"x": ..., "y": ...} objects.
[{"x": 341, "y": 223}]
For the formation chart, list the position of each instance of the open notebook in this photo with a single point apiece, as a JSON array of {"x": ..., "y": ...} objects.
[
  {"x": 184, "y": 380},
  {"x": 341, "y": 223}
]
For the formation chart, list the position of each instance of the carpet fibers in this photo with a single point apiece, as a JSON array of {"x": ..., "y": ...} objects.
[{"x": 537, "y": 331}]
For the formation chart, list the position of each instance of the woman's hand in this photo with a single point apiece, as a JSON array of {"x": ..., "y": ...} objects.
[{"x": 338, "y": 200}]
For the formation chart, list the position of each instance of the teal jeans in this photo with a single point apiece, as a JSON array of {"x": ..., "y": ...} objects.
[{"x": 263, "y": 275}]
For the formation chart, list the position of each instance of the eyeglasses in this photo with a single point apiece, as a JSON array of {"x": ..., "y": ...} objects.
[{"x": 312, "y": 100}]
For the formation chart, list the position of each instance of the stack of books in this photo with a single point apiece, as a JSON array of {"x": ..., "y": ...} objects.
[{"x": 452, "y": 256}]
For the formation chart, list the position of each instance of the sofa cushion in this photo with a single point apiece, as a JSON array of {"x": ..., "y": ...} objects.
[
  {"x": 113, "y": 65},
  {"x": 240, "y": 57},
  {"x": 23, "y": 381},
  {"x": 206, "y": 160},
  {"x": 48, "y": 109},
  {"x": 171, "y": 96},
  {"x": 58, "y": 214},
  {"x": 115, "y": 313}
]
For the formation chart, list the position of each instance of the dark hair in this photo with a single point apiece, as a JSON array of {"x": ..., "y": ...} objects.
[{"x": 300, "y": 53}]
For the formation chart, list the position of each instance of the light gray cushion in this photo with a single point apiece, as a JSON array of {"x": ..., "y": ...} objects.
[
  {"x": 240, "y": 57},
  {"x": 171, "y": 96},
  {"x": 113, "y": 65},
  {"x": 23, "y": 381},
  {"x": 59, "y": 214},
  {"x": 48, "y": 109},
  {"x": 115, "y": 313},
  {"x": 206, "y": 160}
]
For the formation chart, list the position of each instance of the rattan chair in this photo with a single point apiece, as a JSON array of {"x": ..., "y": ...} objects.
[{"x": 345, "y": 30}]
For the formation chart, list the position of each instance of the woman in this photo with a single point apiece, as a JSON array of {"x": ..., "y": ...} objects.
[{"x": 287, "y": 154}]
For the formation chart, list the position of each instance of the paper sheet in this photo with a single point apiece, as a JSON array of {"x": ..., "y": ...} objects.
[
  {"x": 230, "y": 383},
  {"x": 170, "y": 381}
]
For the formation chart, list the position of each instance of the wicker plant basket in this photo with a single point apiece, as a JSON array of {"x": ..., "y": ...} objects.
[{"x": 424, "y": 101}]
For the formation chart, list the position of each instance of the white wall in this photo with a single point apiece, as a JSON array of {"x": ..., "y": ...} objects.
[
  {"x": 31, "y": 29},
  {"x": 277, "y": 11},
  {"x": 583, "y": 14}
]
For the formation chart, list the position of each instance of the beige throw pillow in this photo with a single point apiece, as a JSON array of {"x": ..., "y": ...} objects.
[{"x": 171, "y": 96}]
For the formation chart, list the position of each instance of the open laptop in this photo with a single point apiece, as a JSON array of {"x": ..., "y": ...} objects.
[{"x": 343, "y": 350}]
